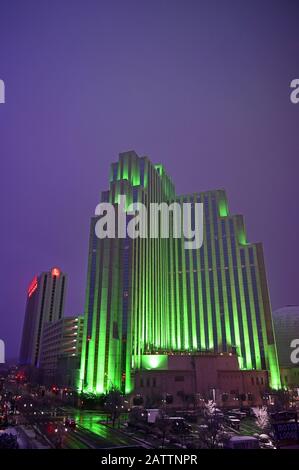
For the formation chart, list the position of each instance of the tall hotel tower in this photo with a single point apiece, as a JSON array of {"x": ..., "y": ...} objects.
[
  {"x": 45, "y": 303},
  {"x": 148, "y": 295}
]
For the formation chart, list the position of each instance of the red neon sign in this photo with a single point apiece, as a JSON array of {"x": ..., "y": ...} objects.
[
  {"x": 55, "y": 272},
  {"x": 32, "y": 286}
]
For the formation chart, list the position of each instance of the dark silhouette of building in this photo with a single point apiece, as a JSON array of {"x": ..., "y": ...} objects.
[{"x": 45, "y": 304}]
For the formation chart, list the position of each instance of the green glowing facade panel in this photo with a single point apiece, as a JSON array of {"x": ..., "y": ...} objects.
[
  {"x": 154, "y": 361},
  {"x": 151, "y": 296}
]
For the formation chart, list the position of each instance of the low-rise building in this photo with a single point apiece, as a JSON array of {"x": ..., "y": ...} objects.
[
  {"x": 198, "y": 376},
  {"x": 61, "y": 351}
]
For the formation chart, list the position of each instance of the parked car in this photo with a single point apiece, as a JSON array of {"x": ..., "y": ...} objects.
[
  {"x": 238, "y": 413},
  {"x": 266, "y": 442},
  {"x": 233, "y": 422}
]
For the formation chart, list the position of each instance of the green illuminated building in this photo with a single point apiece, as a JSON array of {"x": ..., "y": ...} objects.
[{"x": 148, "y": 295}]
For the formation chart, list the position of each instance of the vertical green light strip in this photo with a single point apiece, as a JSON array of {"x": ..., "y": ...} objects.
[
  {"x": 159, "y": 277},
  {"x": 253, "y": 313},
  {"x": 103, "y": 322},
  {"x": 151, "y": 265},
  {"x": 222, "y": 204},
  {"x": 125, "y": 169},
  {"x": 275, "y": 381},
  {"x": 184, "y": 294},
  {"x": 159, "y": 274},
  {"x": 84, "y": 364},
  {"x": 134, "y": 337},
  {"x": 115, "y": 290},
  {"x": 243, "y": 306},
  {"x": 139, "y": 296},
  {"x": 144, "y": 303},
  {"x": 240, "y": 230},
  {"x": 224, "y": 290},
  {"x": 208, "y": 296},
  {"x": 233, "y": 295},
  {"x": 168, "y": 286},
  {"x": 172, "y": 313},
  {"x": 260, "y": 300},
  {"x": 147, "y": 308},
  {"x": 177, "y": 296},
  {"x": 136, "y": 173},
  {"x": 193, "y": 339},
  {"x": 215, "y": 278},
  {"x": 129, "y": 359},
  {"x": 269, "y": 356},
  {"x": 93, "y": 339},
  {"x": 199, "y": 268},
  {"x": 146, "y": 173}
]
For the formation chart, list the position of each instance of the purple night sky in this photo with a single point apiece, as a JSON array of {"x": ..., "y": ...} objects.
[{"x": 201, "y": 86}]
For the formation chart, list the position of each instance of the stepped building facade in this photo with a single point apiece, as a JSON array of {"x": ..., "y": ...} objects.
[{"x": 147, "y": 296}]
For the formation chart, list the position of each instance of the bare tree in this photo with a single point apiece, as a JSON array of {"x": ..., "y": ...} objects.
[
  {"x": 113, "y": 404},
  {"x": 262, "y": 418},
  {"x": 211, "y": 429}
]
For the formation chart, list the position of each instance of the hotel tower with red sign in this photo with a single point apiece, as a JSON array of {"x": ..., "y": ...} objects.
[{"x": 45, "y": 304}]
